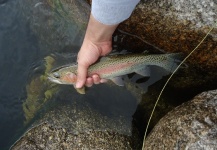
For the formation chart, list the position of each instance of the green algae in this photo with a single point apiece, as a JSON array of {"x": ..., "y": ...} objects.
[{"x": 39, "y": 91}]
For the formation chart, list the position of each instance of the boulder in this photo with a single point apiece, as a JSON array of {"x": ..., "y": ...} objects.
[
  {"x": 177, "y": 26},
  {"x": 45, "y": 136},
  {"x": 68, "y": 121},
  {"x": 192, "y": 125},
  {"x": 59, "y": 25}
]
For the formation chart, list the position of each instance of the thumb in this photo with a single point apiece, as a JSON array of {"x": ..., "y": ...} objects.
[{"x": 81, "y": 76}]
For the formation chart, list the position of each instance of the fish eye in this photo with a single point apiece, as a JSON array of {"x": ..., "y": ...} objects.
[{"x": 56, "y": 75}]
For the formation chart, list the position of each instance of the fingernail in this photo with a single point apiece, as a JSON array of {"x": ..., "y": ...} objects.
[{"x": 78, "y": 85}]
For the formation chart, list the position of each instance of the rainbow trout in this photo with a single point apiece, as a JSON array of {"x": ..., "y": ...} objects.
[{"x": 114, "y": 66}]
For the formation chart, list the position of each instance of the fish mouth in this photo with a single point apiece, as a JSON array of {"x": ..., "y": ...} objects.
[{"x": 54, "y": 80}]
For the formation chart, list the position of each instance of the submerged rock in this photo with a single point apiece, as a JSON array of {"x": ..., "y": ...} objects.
[
  {"x": 39, "y": 91},
  {"x": 45, "y": 136},
  {"x": 193, "y": 125},
  {"x": 59, "y": 25},
  {"x": 73, "y": 123}
]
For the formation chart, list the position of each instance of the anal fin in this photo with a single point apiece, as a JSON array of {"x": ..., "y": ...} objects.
[
  {"x": 118, "y": 81},
  {"x": 144, "y": 71}
]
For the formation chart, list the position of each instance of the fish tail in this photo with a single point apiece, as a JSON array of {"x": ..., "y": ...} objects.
[{"x": 172, "y": 61}]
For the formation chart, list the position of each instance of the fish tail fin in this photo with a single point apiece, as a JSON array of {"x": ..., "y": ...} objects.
[{"x": 172, "y": 61}]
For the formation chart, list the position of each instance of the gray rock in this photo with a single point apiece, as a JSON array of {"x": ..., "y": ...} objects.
[
  {"x": 178, "y": 26},
  {"x": 73, "y": 123},
  {"x": 58, "y": 24},
  {"x": 47, "y": 137},
  {"x": 200, "y": 13},
  {"x": 80, "y": 117},
  {"x": 193, "y": 125}
]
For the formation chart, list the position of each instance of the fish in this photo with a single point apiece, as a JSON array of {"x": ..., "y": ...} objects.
[{"x": 113, "y": 67}]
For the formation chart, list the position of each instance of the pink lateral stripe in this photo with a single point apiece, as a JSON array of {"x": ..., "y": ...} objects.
[{"x": 111, "y": 69}]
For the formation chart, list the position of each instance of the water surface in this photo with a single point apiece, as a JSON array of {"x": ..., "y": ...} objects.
[{"x": 19, "y": 54}]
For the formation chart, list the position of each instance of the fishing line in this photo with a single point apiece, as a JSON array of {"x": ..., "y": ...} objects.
[
  {"x": 143, "y": 146},
  {"x": 146, "y": 42}
]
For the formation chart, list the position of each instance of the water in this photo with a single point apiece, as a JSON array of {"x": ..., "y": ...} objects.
[{"x": 19, "y": 51}]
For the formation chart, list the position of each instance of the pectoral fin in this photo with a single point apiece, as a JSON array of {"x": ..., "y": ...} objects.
[
  {"x": 118, "y": 81},
  {"x": 144, "y": 71},
  {"x": 81, "y": 90}
]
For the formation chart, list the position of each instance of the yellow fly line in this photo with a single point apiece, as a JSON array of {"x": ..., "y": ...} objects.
[{"x": 143, "y": 146}]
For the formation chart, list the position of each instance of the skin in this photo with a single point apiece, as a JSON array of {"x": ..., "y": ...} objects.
[{"x": 97, "y": 42}]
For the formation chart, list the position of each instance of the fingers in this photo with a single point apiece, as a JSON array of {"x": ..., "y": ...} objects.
[
  {"x": 96, "y": 79},
  {"x": 81, "y": 76},
  {"x": 89, "y": 82}
]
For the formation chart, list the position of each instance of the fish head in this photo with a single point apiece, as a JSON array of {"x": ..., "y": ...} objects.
[
  {"x": 68, "y": 78},
  {"x": 62, "y": 76},
  {"x": 65, "y": 75}
]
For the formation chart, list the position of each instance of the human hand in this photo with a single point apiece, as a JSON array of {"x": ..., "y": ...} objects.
[
  {"x": 89, "y": 54},
  {"x": 97, "y": 42}
]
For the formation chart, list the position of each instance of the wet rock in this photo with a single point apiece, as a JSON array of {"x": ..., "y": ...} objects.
[
  {"x": 192, "y": 125},
  {"x": 58, "y": 25},
  {"x": 74, "y": 124},
  {"x": 78, "y": 117},
  {"x": 45, "y": 136},
  {"x": 177, "y": 26}
]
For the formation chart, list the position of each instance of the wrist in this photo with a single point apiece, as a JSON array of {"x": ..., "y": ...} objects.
[{"x": 98, "y": 32}]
